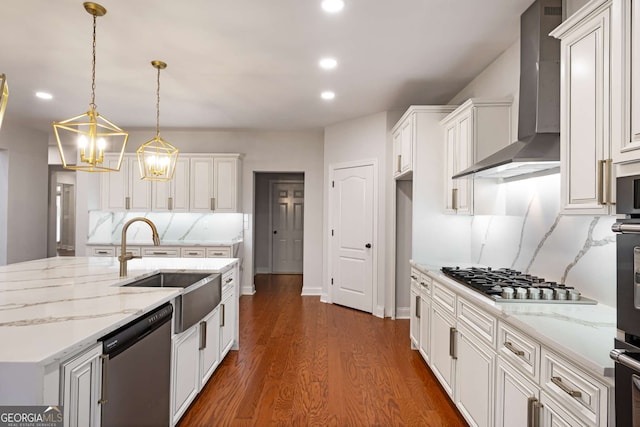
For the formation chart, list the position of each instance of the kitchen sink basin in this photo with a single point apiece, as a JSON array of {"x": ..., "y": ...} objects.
[{"x": 202, "y": 293}]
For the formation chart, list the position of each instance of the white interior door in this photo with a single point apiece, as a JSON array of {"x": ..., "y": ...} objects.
[
  {"x": 287, "y": 219},
  {"x": 352, "y": 227}
]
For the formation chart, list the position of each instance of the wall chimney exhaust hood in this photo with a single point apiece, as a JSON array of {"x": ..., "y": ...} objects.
[{"x": 538, "y": 145}]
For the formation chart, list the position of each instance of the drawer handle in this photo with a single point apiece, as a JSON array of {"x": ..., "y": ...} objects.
[
  {"x": 193, "y": 253},
  {"x": 218, "y": 253},
  {"x": 558, "y": 381},
  {"x": 414, "y": 277},
  {"x": 102, "y": 252},
  {"x": 512, "y": 349},
  {"x": 230, "y": 279},
  {"x": 160, "y": 253}
]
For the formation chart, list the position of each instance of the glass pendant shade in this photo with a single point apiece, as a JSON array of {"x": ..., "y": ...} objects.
[
  {"x": 157, "y": 160},
  {"x": 92, "y": 134},
  {"x": 157, "y": 157}
]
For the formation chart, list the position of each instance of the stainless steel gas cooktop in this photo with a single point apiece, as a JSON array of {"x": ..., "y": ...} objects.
[{"x": 508, "y": 285}]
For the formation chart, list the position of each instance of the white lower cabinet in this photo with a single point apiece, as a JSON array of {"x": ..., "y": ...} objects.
[
  {"x": 414, "y": 307},
  {"x": 209, "y": 330},
  {"x": 516, "y": 397},
  {"x": 81, "y": 389},
  {"x": 227, "y": 323},
  {"x": 443, "y": 363},
  {"x": 554, "y": 414},
  {"x": 184, "y": 372},
  {"x": 475, "y": 372},
  {"x": 424, "y": 309}
]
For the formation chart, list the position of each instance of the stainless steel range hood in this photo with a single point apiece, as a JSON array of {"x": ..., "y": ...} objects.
[{"x": 538, "y": 145}]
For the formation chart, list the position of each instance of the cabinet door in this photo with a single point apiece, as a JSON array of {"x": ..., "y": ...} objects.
[
  {"x": 464, "y": 159},
  {"x": 414, "y": 322},
  {"x": 139, "y": 190},
  {"x": 406, "y": 145},
  {"x": 209, "y": 330},
  {"x": 515, "y": 396},
  {"x": 425, "y": 306},
  {"x": 113, "y": 185},
  {"x": 587, "y": 178},
  {"x": 184, "y": 371},
  {"x": 227, "y": 323},
  {"x": 82, "y": 389},
  {"x": 225, "y": 184},
  {"x": 173, "y": 195},
  {"x": 475, "y": 370},
  {"x": 443, "y": 364},
  {"x": 555, "y": 415},
  {"x": 450, "y": 196},
  {"x": 201, "y": 184}
]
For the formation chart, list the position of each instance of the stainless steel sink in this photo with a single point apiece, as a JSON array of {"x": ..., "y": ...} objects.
[{"x": 202, "y": 293}]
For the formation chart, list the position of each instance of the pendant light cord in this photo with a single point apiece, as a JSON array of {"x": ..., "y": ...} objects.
[
  {"x": 93, "y": 68},
  {"x": 158, "y": 106}
]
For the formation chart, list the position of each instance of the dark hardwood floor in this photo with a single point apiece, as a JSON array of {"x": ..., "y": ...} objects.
[{"x": 305, "y": 363}]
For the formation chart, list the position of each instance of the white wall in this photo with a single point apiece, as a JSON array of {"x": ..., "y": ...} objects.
[
  {"x": 23, "y": 194},
  {"x": 364, "y": 138},
  {"x": 263, "y": 152}
]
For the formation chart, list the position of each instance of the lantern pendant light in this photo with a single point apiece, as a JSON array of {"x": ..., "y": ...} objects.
[
  {"x": 157, "y": 157},
  {"x": 91, "y": 133},
  {"x": 4, "y": 96}
]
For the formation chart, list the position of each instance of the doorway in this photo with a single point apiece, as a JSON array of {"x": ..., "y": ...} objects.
[
  {"x": 62, "y": 212},
  {"x": 278, "y": 222}
]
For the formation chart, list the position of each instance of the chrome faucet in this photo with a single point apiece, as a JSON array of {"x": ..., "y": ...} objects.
[{"x": 126, "y": 256}]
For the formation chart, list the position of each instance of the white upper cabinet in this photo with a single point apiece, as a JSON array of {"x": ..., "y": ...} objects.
[
  {"x": 403, "y": 146},
  {"x": 586, "y": 168},
  {"x": 625, "y": 81},
  {"x": 475, "y": 130},
  {"x": 215, "y": 184},
  {"x": 173, "y": 195},
  {"x": 124, "y": 190}
]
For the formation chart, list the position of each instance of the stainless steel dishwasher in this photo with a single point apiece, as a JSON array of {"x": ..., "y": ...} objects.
[{"x": 136, "y": 372}]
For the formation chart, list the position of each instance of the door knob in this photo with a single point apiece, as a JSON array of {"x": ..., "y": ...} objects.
[
  {"x": 368, "y": 246},
  {"x": 275, "y": 231}
]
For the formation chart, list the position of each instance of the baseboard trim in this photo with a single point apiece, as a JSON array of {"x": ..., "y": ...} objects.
[
  {"x": 248, "y": 290},
  {"x": 263, "y": 270},
  {"x": 378, "y": 312},
  {"x": 403, "y": 312},
  {"x": 308, "y": 291}
]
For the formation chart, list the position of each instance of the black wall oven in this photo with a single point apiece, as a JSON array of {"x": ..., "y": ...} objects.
[{"x": 627, "y": 347}]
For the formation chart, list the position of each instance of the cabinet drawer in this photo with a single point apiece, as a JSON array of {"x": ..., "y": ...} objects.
[
  {"x": 135, "y": 251},
  {"x": 192, "y": 252},
  {"x": 426, "y": 284},
  {"x": 580, "y": 392},
  {"x": 228, "y": 281},
  {"x": 520, "y": 350},
  {"x": 161, "y": 252},
  {"x": 444, "y": 297},
  {"x": 482, "y": 324},
  {"x": 102, "y": 251},
  {"x": 221, "y": 252}
]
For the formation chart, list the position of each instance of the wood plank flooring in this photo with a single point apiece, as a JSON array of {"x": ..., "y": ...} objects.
[{"x": 305, "y": 363}]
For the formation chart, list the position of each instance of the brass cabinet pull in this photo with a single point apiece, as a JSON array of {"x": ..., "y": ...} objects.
[
  {"x": 127, "y": 202},
  {"x": 222, "y": 315},
  {"x": 454, "y": 199},
  {"x": 170, "y": 203},
  {"x": 452, "y": 343},
  {"x": 558, "y": 381},
  {"x": 203, "y": 335},
  {"x": 512, "y": 349},
  {"x": 533, "y": 412},
  {"x": 601, "y": 177}
]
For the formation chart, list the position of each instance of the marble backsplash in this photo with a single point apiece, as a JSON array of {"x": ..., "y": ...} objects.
[
  {"x": 529, "y": 234},
  {"x": 105, "y": 227}
]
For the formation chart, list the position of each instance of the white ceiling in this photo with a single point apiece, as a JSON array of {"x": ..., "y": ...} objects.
[{"x": 246, "y": 63}]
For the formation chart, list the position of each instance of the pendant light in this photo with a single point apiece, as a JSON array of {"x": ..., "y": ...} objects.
[
  {"x": 4, "y": 96},
  {"x": 157, "y": 157},
  {"x": 90, "y": 132}
]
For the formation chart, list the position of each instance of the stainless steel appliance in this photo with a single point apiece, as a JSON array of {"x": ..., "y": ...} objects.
[
  {"x": 627, "y": 347},
  {"x": 136, "y": 372},
  {"x": 508, "y": 285}
]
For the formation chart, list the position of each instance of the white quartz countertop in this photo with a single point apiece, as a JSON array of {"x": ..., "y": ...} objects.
[
  {"x": 147, "y": 242},
  {"x": 582, "y": 333},
  {"x": 53, "y": 307}
]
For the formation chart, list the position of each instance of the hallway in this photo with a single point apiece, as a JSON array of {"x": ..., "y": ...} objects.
[{"x": 302, "y": 362}]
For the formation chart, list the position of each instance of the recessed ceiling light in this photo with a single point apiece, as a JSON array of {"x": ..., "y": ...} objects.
[
  {"x": 44, "y": 95},
  {"x": 328, "y": 63},
  {"x": 333, "y": 6},
  {"x": 327, "y": 95}
]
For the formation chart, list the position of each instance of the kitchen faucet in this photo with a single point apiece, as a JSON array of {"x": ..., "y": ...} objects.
[{"x": 126, "y": 256}]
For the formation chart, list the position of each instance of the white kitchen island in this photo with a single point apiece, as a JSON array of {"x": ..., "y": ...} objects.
[{"x": 55, "y": 308}]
